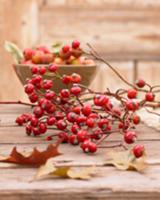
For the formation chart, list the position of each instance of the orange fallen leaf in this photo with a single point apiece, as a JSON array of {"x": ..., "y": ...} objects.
[{"x": 35, "y": 158}]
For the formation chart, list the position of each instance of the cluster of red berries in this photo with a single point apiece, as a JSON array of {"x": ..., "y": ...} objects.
[
  {"x": 68, "y": 54},
  {"x": 80, "y": 121}
]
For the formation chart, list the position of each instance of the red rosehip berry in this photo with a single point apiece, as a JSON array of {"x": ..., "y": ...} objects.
[
  {"x": 140, "y": 83},
  {"x": 61, "y": 124},
  {"x": 93, "y": 115},
  {"x": 97, "y": 134},
  {"x": 33, "y": 98},
  {"x": 132, "y": 105},
  {"x": 42, "y": 127},
  {"x": 28, "y": 53},
  {"x": 63, "y": 136},
  {"x": 29, "y": 88},
  {"x": 36, "y": 79},
  {"x": 38, "y": 111},
  {"x": 103, "y": 124},
  {"x": 136, "y": 119},
  {"x": 42, "y": 70},
  {"x": 77, "y": 109},
  {"x": 65, "y": 93},
  {"x": 132, "y": 93},
  {"x": 20, "y": 120},
  {"x": 100, "y": 100},
  {"x": 66, "y": 48},
  {"x": 53, "y": 67},
  {"x": 89, "y": 147},
  {"x": 120, "y": 125},
  {"x": 66, "y": 79},
  {"x": 71, "y": 117},
  {"x": 92, "y": 147},
  {"x": 149, "y": 96},
  {"x": 44, "y": 49},
  {"x": 59, "y": 115},
  {"x": 73, "y": 140},
  {"x": 28, "y": 129},
  {"x": 51, "y": 120},
  {"x": 90, "y": 122},
  {"x": 75, "y": 90},
  {"x": 82, "y": 135},
  {"x": 34, "y": 69},
  {"x": 45, "y": 104},
  {"x": 81, "y": 120},
  {"x": 138, "y": 151},
  {"x": 34, "y": 121},
  {"x": 85, "y": 146},
  {"x": 75, "y": 128},
  {"x": 27, "y": 117},
  {"x": 35, "y": 131},
  {"x": 47, "y": 84},
  {"x": 75, "y": 44},
  {"x": 50, "y": 95},
  {"x": 86, "y": 109},
  {"x": 130, "y": 137},
  {"x": 75, "y": 78},
  {"x": 48, "y": 138},
  {"x": 51, "y": 109}
]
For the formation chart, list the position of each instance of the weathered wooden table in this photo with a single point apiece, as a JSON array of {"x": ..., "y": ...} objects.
[{"x": 111, "y": 184}]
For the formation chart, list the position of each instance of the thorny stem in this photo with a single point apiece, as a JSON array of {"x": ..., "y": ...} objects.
[
  {"x": 114, "y": 146},
  {"x": 17, "y": 102},
  {"x": 155, "y": 113},
  {"x": 98, "y": 57},
  {"x": 108, "y": 133}
]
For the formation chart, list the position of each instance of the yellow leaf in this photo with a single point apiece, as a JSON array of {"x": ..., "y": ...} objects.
[
  {"x": 125, "y": 160},
  {"x": 81, "y": 174},
  {"x": 50, "y": 169}
]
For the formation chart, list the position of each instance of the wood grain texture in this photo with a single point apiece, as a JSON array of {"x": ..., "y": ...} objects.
[
  {"x": 18, "y": 18},
  {"x": 109, "y": 183},
  {"x": 151, "y": 70},
  {"x": 124, "y": 31},
  {"x": 106, "y": 78},
  {"x": 114, "y": 33},
  {"x": 114, "y": 4}
]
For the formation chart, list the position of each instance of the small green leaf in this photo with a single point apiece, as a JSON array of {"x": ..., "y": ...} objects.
[
  {"x": 56, "y": 47},
  {"x": 57, "y": 44},
  {"x": 14, "y": 50}
]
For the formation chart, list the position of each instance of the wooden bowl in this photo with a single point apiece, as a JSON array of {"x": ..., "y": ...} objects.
[{"x": 87, "y": 73}]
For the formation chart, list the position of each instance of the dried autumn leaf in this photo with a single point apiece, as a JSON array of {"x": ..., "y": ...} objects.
[
  {"x": 125, "y": 160},
  {"x": 35, "y": 158},
  {"x": 51, "y": 170}
]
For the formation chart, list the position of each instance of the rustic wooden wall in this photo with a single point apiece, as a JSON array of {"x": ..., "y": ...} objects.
[
  {"x": 125, "y": 32},
  {"x": 19, "y": 24}
]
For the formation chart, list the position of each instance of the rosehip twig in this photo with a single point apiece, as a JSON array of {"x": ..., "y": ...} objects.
[{"x": 17, "y": 102}]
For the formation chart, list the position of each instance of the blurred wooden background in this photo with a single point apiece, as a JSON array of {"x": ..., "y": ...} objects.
[{"x": 125, "y": 32}]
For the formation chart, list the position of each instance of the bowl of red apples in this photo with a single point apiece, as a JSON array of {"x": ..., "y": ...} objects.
[{"x": 42, "y": 61}]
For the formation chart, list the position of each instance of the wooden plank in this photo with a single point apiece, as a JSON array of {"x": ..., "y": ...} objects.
[
  {"x": 113, "y": 32},
  {"x": 16, "y": 181},
  {"x": 7, "y": 124},
  {"x": 105, "y": 78},
  {"x": 114, "y": 4},
  {"x": 15, "y": 27},
  {"x": 109, "y": 183},
  {"x": 149, "y": 71}
]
